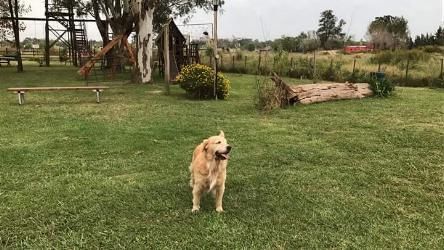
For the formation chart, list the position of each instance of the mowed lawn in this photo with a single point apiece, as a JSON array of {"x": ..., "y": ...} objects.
[{"x": 349, "y": 174}]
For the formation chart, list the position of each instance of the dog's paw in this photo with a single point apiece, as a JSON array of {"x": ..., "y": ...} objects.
[
  {"x": 195, "y": 209},
  {"x": 219, "y": 210}
]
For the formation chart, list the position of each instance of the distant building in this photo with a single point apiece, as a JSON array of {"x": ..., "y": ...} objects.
[{"x": 358, "y": 49}]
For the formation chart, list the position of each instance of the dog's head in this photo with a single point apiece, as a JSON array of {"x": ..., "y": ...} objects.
[{"x": 217, "y": 147}]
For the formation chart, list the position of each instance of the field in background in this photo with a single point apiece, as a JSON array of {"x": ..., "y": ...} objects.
[
  {"x": 348, "y": 174},
  {"x": 332, "y": 66}
]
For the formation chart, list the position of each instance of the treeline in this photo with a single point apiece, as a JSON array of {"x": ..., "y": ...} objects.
[
  {"x": 422, "y": 40},
  {"x": 329, "y": 36}
]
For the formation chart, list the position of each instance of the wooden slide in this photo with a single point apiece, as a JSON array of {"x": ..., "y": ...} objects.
[{"x": 86, "y": 69}]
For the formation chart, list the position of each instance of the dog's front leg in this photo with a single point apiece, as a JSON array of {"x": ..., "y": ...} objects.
[
  {"x": 220, "y": 189},
  {"x": 197, "y": 194}
]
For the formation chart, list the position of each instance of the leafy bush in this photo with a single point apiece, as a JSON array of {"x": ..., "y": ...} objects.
[
  {"x": 432, "y": 49},
  {"x": 381, "y": 87},
  {"x": 333, "y": 72},
  {"x": 198, "y": 81},
  {"x": 398, "y": 57},
  {"x": 239, "y": 55},
  {"x": 302, "y": 68},
  {"x": 357, "y": 77}
]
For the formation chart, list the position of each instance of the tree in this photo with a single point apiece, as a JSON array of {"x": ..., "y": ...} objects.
[
  {"x": 15, "y": 8},
  {"x": 5, "y": 25},
  {"x": 330, "y": 28},
  {"x": 439, "y": 36},
  {"x": 389, "y": 32}
]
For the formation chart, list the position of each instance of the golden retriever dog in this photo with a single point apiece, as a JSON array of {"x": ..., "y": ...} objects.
[{"x": 209, "y": 170}]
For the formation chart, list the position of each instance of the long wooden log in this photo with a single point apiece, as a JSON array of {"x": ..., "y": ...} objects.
[{"x": 323, "y": 92}]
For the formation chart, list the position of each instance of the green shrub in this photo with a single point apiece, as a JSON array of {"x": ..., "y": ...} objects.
[
  {"x": 302, "y": 68},
  {"x": 358, "y": 76},
  {"x": 432, "y": 49},
  {"x": 198, "y": 81},
  {"x": 333, "y": 72},
  {"x": 381, "y": 87},
  {"x": 400, "y": 57}
]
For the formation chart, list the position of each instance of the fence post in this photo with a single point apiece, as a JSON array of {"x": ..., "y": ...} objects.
[
  {"x": 291, "y": 63},
  {"x": 259, "y": 64},
  {"x": 407, "y": 69},
  {"x": 379, "y": 67},
  {"x": 442, "y": 68},
  {"x": 354, "y": 66},
  {"x": 233, "y": 63},
  {"x": 314, "y": 66},
  {"x": 245, "y": 64},
  {"x": 221, "y": 61}
]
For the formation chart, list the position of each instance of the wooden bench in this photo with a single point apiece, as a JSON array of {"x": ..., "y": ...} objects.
[
  {"x": 21, "y": 91},
  {"x": 7, "y": 59}
]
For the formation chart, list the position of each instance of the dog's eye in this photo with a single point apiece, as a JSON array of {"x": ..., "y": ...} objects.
[{"x": 219, "y": 142}]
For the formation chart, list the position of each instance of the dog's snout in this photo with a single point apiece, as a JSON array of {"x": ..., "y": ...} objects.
[{"x": 229, "y": 148}]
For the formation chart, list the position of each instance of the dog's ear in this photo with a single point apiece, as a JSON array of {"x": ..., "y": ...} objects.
[
  {"x": 222, "y": 134},
  {"x": 205, "y": 144}
]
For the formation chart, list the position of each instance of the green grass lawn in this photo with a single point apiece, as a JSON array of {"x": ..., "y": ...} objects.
[{"x": 349, "y": 174}]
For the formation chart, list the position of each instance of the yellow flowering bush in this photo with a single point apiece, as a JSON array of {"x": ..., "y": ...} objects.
[{"x": 197, "y": 80}]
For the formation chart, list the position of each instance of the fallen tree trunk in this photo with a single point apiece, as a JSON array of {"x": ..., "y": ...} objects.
[{"x": 322, "y": 92}]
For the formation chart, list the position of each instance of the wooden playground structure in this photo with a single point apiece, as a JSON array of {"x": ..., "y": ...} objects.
[{"x": 175, "y": 51}]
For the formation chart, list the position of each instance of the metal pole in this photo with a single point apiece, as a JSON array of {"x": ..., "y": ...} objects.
[
  {"x": 97, "y": 95},
  {"x": 166, "y": 54},
  {"x": 216, "y": 7},
  {"x": 47, "y": 56}
]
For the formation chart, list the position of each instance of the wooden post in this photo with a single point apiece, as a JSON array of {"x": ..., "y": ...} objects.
[
  {"x": 221, "y": 61},
  {"x": 259, "y": 63},
  {"x": 166, "y": 56},
  {"x": 407, "y": 69},
  {"x": 314, "y": 66},
  {"x": 379, "y": 67},
  {"x": 232, "y": 63},
  {"x": 354, "y": 66},
  {"x": 291, "y": 63},
  {"x": 442, "y": 68},
  {"x": 245, "y": 64}
]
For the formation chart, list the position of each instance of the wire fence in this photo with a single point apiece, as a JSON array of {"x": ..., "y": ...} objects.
[{"x": 337, "y": 68}]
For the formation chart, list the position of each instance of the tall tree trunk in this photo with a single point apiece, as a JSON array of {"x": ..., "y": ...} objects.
[
  {"x": 13, "y": 9},
  {"x": 144, "y": 14},
  {"x": 102, "y": 25}
]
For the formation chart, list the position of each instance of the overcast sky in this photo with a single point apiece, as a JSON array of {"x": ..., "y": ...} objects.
[{"x": 268, "y": 19}]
